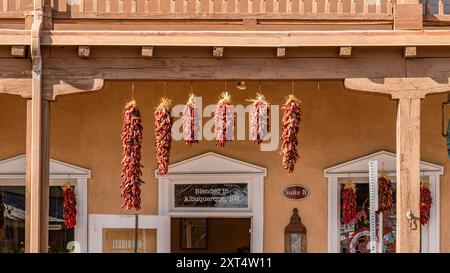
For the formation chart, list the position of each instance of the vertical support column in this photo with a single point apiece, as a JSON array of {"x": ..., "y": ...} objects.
[
  {"x": 38, "y": 152},
  {"x": 408, "y": 174},
  {"x": 408, "y": 15}
]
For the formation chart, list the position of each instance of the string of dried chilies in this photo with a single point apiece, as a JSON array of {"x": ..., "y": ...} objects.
[
  {"x": 348, "y": 203},
  {"x": 385, "y": 199},
  {"x": 191, "y": 122},
  {"x": 425, "y": 203},
  {"x": 163, "y": 134},
  {"x": 291, "y": 122},
  {"x": 224, "y": 120},
  {"x": 259, "y": 119},
  {"x": 131, "y": 163},
  {"x": 69, "y": 206}
]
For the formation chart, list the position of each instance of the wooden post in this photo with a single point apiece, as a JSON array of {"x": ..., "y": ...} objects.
[{"x": 408, "y": 175}]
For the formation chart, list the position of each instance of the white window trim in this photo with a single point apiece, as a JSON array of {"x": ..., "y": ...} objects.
[
  {"x": 430, "y": 233},
  {"x": 219, "y": 169},
  {"x": 12, "y": 173}
]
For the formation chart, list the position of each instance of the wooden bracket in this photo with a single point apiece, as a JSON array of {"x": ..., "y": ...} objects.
[
  {"x": 147, "y": 52},
  {"x": 398, "y": 88},
  {"x": 410, "y": 51},
  {"x": 218, "y": 52},
  {"x": 281, "y": 52},
  {"x": 18, "y": 51},
  {"x": 84, "y": 51},
  {"x": 345, "y": 51}
]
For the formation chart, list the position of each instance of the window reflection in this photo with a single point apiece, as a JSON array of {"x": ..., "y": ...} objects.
[{"x": 12, "y": 220}]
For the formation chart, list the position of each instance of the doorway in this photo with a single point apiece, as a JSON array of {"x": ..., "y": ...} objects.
[{"x": 210, "y": 235}]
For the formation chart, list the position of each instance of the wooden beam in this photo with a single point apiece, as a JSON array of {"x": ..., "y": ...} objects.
[
  {"x": 218, "y": 52},
  {"x": 207, "y": 68},
  {"x": 281, "y": 52},
  {"x": 147, "y": 52},
  {"x": 18, "y": 51},
  {"x": 84, "y": 51},
  {"x": 410, "y": 52},
  {"x": 247, "y": 38},
  {"x": 408, "y": 175},
  {"x": 345, "y": 51}
]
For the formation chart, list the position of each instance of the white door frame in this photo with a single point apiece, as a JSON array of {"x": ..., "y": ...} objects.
[
  {"x": 97, "y": 222},
  {"x": 358, "y": 170},
  {"x": 212, "y": 168}
]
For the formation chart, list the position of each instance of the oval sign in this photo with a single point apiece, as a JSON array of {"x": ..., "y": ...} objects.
[{"x": 295, "y": 192}]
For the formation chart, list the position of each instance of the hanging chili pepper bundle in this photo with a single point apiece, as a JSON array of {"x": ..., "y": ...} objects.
[
  {"x": 131, "y": 163},
  {"x": 191, "y": 122},
  {"x": 224, "y": 120},
  {"x": 425, "y": 203},
  {"x": 69, "y": 206},
  {"x": 385, "y": 199},
  {"x": 348, "y": 203},
  {"x": 163, "y": 134},
  {"x": 291, "y": 122},
  {"x": 259, "y": 119}
]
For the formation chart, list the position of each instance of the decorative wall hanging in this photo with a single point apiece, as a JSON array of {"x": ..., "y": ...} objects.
[
  {"x": 425, "y": 202},
  {"x": 163, "y": 134},
  {"x": 348, "y": 203},
  {"x": 69, "y": 206},
  {"x": 131, "y": 163},
  {"x": 191, "y": 122},
  {"x": 259, "y": 118},
  {"x": 385, "y": 199},
  {"x": 291, "y": 122},
  {"x": 224, "y": 120}
]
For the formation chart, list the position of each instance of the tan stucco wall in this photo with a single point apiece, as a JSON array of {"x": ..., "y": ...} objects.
[{"x": 337, "y": 126}]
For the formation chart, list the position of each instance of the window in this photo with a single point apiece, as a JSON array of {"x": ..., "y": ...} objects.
[
  {"x": 354, "y": 238},
  {"x": 12, "y": 221}
]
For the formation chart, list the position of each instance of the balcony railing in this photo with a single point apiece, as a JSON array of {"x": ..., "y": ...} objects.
[
  {"x": 14, "y": 8},
  {"x": 224, "y": 9}
]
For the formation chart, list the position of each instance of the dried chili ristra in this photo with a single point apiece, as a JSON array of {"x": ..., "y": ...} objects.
[
  {"x": 163, "y": 134},
  {"x": 131, "y": 163},
  {"x": 69, "y": 207},
  {"x": 385, "y": 198},
  {"x": 224, "y": 120},
  {"x": 259, "y": 119},
  {"x": 348, "y": 203},
  {"x": 191, "y": 122},
  {"x": 425, "y": 203},
  {"x": 291, "y": 123}
]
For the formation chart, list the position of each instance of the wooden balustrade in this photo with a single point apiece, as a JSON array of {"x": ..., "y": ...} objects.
[
  {"x": 14, "y": 8},
  {"x": 223, "y": 9},
  {"x": 436, "y": 11}
]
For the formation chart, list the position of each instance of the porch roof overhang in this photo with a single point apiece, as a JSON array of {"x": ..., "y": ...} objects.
[{"x": 232, "y": 38}]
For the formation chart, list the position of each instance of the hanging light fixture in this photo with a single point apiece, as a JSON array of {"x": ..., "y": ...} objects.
[{"x": 241, "y": 85}]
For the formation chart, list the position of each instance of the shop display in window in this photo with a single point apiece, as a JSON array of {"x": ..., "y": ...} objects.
[{"x": 193, "y": 233}]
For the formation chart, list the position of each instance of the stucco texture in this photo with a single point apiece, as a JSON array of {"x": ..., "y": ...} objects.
[{"x": 338, "y": 125}]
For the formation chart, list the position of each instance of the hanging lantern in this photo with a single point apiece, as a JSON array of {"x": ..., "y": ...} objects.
[
  {"x": 69, "y": 206},
  {"x": 295, "y": 235}
]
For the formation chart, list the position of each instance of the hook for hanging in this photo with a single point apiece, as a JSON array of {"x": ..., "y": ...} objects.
[
  {"x": 318, "y": 84},
  {"x": 132, "y": 90}
]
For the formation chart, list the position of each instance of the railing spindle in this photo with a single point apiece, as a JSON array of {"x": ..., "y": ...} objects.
[
  {"x": 172, "y": 6},
  {"x": 352, "y": 7},
  {"x": 314, "y": 7},
  {"x": 276, "y": 6},
  {"x": 365, "y": 7},
  {"x": 262, "y": 6},
  {"x": 441, "y": 7},
  {"x": 185, "y": 6},
  {"x": 5, "y": 5},
  {"x": 389, "y": 7},
  {"x": 378, "y": 7},
  {"x": 301, "y": 7},
  {"x": 327, "y": 7},
  {"x": 198, "y": 6},
  {"x": 339, "y": 7},
  {"x": 108, "y": 6},
  {"x": 289, "y": 6},
  {"x": 211, "y": 6},
  {"x": 81, "y": 6},
  {"x": 249, "y": 6}
]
